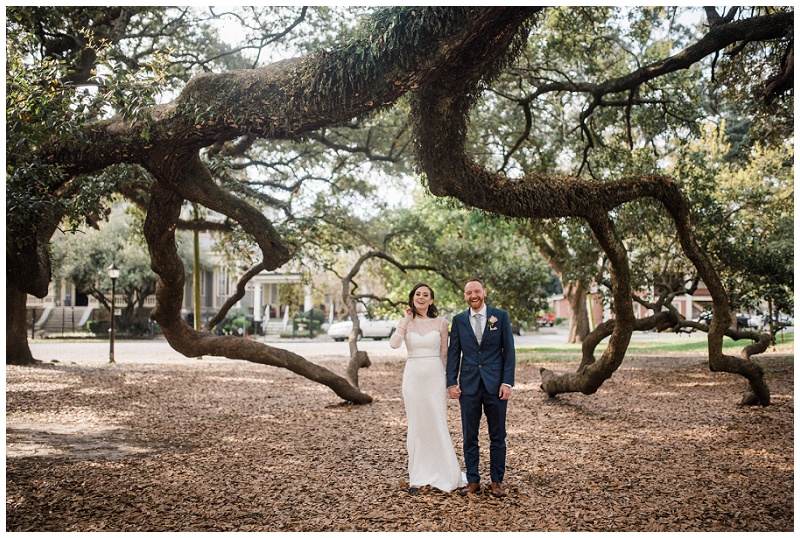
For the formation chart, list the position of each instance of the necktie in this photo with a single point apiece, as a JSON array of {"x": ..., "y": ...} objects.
[{"x": 477, "y": 326}]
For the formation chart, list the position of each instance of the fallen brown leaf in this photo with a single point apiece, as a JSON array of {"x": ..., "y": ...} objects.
[{"x": 220, "y": 445}]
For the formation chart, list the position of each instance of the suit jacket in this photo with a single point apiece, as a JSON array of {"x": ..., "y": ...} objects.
[{"x": 492, "y": 360}]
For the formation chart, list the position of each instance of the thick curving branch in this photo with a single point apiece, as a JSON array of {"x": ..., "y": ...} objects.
[
  {"x": 722, "y": 34},
  {"x": 159, "y": 229},
  {"x": 439, "y": 115},
  {"x": 718, "y": 361},
  {"x": 294, "y": 97},
  {"x": 590, "y": 376},
  {"x": 190, "y": 179}
]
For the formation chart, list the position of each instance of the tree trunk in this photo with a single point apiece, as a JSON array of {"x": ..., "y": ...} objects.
[
  {"x": 27, "y": 272},
  {"x": 575, "y": 294},
  {"x": 591, "y": 376},
  {"x": 17, "y": 350},
  {"x": 358, "y": 359}
]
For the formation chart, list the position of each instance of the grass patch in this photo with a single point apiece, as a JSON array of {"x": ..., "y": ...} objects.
[{"x": 691, "y": 346}]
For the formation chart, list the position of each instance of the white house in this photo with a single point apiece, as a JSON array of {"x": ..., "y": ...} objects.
[{"x": 67, "y": 309}]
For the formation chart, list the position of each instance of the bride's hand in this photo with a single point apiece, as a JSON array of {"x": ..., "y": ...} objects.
[{"x": 406, "y": 320}]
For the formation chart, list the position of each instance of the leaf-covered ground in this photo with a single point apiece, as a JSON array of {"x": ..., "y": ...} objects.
[{"x": 219, "y": 445}]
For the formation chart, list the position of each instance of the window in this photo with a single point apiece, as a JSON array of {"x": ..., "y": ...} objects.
[{"x": 223, "y": 283}]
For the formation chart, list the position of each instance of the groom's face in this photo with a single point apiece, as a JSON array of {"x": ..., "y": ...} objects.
[{"x": 475, "y": 295}]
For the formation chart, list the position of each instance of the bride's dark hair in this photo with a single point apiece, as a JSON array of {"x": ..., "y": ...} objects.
[{"x": 432, "y": 310}]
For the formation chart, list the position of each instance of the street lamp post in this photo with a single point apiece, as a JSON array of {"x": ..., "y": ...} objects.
[{"x": 113, "y": 273}]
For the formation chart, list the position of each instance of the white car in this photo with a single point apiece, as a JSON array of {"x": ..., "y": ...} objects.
[{"x": 377, "y": 329}]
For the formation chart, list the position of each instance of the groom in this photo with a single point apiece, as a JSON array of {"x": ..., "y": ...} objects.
[{"x": 480, "y": 373}]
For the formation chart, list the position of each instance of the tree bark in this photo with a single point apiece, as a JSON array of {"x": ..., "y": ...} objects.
[
  {"x": 575, "y": 294},
  {"x": 717, "y": 360},
  {"x": 17, "y": 350},
  {"x": 290, "y": 98},
  {"x": 28, "y": 271},
  {"x": 358, "y": 359},
  {"x": 590, "y": 376}
]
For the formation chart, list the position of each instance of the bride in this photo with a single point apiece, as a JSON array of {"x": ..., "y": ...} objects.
[{"x": 431, "y": 458}]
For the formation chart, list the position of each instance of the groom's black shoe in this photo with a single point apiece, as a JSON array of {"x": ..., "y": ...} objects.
[
  {"x": 472, "y": 487},
  {"x": 498, "y": 490}
]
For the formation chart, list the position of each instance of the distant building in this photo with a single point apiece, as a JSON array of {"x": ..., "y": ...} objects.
[
  {"x": 67, "y": 309},
  {"x": 689, "y": 306}
]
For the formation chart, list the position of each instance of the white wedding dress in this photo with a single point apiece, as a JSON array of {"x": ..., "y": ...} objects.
[{"x": 432, "y": 459}]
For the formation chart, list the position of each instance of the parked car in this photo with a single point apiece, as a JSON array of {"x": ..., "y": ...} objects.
[
  {"x": 779, "y": 319},
  {"x": 704, "y": 317},
  {"x": 377, "y": 329},
  {"x": 746, "y": 321},
  {"x": 546, "y": 319}
]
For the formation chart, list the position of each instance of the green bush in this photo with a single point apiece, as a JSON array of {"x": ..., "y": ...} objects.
[
  {"x": 98, "y": 326},
  {"x": 301, "y": 322},
  {"x": 238, "y": 323},
  {"x": 315, "y": 313},
  {"x": 297, "y": 323},
  {"x": 234, "y": 321}
]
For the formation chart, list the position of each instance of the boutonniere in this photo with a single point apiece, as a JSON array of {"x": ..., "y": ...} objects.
[{"x": 490, "y": 322}]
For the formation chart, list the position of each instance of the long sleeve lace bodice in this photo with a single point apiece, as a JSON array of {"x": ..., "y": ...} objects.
[{"x": 417, "y": 340}]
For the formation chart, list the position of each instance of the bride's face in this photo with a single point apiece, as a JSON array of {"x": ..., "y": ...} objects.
[{"x": 422, "y": 299}]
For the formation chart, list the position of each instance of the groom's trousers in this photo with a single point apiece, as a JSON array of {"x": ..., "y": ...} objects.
[{"x": 472, "y": 407}]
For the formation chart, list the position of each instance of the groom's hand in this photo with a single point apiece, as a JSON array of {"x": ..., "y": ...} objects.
[
  {"x": 505, "y": 392},
  {"x": 454, "y": 392}
]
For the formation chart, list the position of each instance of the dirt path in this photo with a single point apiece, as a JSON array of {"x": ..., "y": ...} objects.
[{"x": 219, "y": 445}]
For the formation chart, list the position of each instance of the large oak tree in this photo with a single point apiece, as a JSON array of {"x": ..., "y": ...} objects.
[{"x": 442, "y": 57}]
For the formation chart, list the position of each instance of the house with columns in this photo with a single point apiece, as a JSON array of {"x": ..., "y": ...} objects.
[{"x": 67, "y": 309}]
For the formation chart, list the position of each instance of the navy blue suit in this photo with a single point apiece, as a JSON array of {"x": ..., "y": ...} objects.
[{"x": 480, "y": 370}]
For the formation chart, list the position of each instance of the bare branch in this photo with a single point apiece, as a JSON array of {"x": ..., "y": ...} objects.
[{"x": 722, "y": 33}]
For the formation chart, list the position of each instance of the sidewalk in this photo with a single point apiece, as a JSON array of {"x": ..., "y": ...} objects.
[
  {"x": 158, "y": 350},
  {"x": 320, "y": 348}
]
